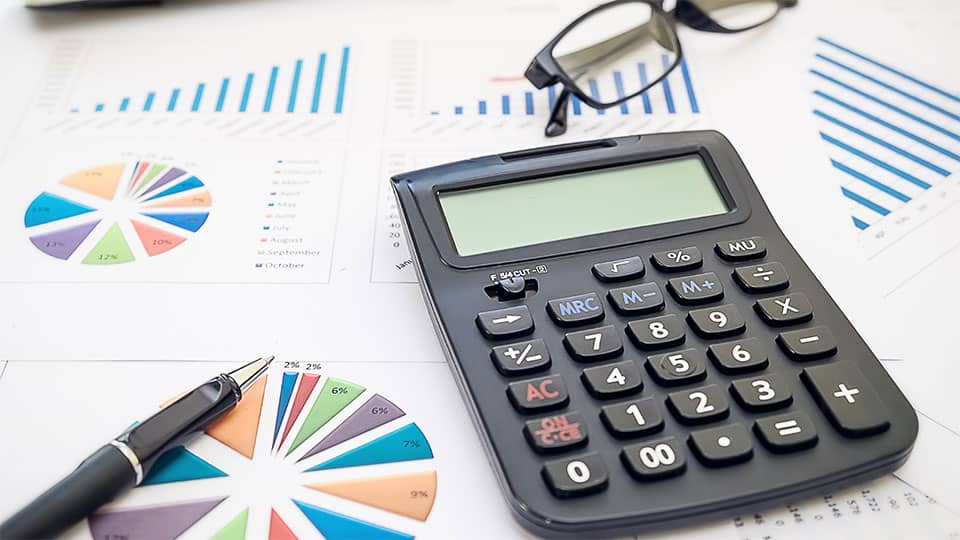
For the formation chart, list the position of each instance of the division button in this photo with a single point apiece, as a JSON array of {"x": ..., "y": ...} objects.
[
  {"x": 657, "y": 333},
  {"x": 677, "y": 368},
  {"x": 574, "y": 310},
  {"x": 739, "y": 356},
  {"x": 674, "y": 260},
  {"x": 540, "y": 394},
  {"x": 654, "y": 460},
  {"x": 783, "y": 310},
  {"x": 846, "y": 397},
  {"x": 762, "y": 393},
  {"x": 594, "y": 344},
  {"x": 742, "y": 249},
  {"x": 504, "y": 323},
  {"x": 619, "y": 270},
  {"x": 632, "y": 418},
  {"x": 699, "y": 405},
  {"x": 786, "y": 432},
  {"x": 764, "y": 277},
  {"x": 721, "y": 446},
  {"x": 613, "y": 380},
  {"x": 809, "y": 343},
  {"x": 556, "y": 433},
  {"x": 697, "y": 289},
  {"x": 717, "y": 322},
  {"x": 521, "y": 358},
  {"x": 572, "y": 477},
  {"x": 636, "y": 299}
]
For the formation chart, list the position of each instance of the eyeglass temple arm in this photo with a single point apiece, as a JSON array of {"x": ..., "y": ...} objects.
[
  {"x": 710, "y": 5},
  {"x": 656, "y": 29}
]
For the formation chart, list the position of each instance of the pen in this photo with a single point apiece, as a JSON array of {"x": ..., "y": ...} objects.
[{"x": 123, "y": 462}]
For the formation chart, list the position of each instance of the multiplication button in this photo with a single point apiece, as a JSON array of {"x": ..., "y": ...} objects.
[
  {"x": 576, "y": 476},
  {"x": 556, "y": 433},
  {"x": 783, "y": 310},
  {"x": 504, "y": 323},
  {"x": 521, "y": 358},
  {"x": 849, "y": 401},
  {"x": 697, "y": 289}
]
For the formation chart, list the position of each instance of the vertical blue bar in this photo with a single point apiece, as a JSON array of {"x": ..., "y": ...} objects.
[
  {"x": 458, "y": 110},
  {"x": 528, "y": 102},
  {"x": 686, "y": 81},
  {"x": 315, "y": 104},
  {"x": 246, "y": 92},
  {"x": 551, "y": 95},
  {"x": 198, "y": 97},
  {"x": 148, "y": 104},
  {"x": 342, "y": 83},
  {"x": 124, "y": 104},
  {"x": 618, "y": 83},
  {"x": 666, "y": 86},
  {"x": 595, "y": 93},
  {"x": 576, "y": 104},
  {"x": 223, "y": 93},
  {"x": 505, "y": 104},
  {"x": 271, "y": 84},
  {"x": 642, "y": 72},
  {"x": 859, "y": 223},
  {"x": 99, "y": 107},
  {"x": 294, "y": 86},
  {"x": 482, "y": 107},
  {"x": 172, "y": 104}
]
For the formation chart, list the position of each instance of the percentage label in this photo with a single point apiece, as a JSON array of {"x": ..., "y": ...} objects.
[
  {"x": 411, "y": 444},
  {"x": 419, "y": 494},
  {"x": 339, "y": 390},
  {"x": 108, "y": 257},
  {"x": 380, "y": 410},
  {"x": 162, "y": 242},
  {"x": 678, "y": 256}
]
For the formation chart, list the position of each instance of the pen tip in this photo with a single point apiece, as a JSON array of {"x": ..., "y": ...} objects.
[{"x": 247, "y": 374}]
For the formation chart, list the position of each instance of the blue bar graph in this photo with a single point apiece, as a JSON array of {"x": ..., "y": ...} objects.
[
  {"x": 99, "y": 107},
  {"x": 618, "y": 84},
  {"x": 644, "y": 97},
  {"x": 551, "y": 96},
  {"x": 691, "y": 96},
  {"x": 268, "y": 100},
  {"x": 294, "y": 87},
  {"x": 595, "y": 93},
  {"x": 528, "y": 102},
  {"x": 281, "y": 85},
  {"x": 505, "y": 104},
  {"x": 482, "y": 107},
  {"x": 890, "y": 135},
  {"x": 458, "y": 110},
  {"x": 575, "y": 105},
  {"x": 197, "y": 97},
  {"x": 665, "y": 83}
]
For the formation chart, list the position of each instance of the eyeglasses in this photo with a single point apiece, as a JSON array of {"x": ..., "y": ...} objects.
[{"x": 635, "y": 37}]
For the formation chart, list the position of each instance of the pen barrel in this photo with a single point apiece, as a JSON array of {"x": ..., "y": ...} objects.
[{"x": 97, "y": 481}]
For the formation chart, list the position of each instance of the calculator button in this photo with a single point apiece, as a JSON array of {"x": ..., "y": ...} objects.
[
  {"x": 556, "y": 433},
  {"x": 657, "y": 333},
  {"x": 540, "y": 394},
  {"x": 574, "y": 310},
  {"x": 594, "y": 344},
  {"x": 504, "y": 323},
  {"x": 654, "y": 460},
  {"x": 612, "y": 380},
  {"x": 783, "y": 310},
  {"x": 698, "y": 289},
  {"x": 717, "y": 322},
  {"x": 572, "y": 477},
  {"x": 699, "y": 405},
  {"x": 677, "y": 368},
  {"x": 619, "y": 270},
  {"x": 739, "y": 356},
  {"x": 632, "y": 418},
  {"x": 809, "y": 343},
  {"x": 762, "y": 393},
  {"x": 742, "y": 249},
  {"x": 521, "y": 358},
  {"x": 787, "y": 432},
  {"x": 763, "y": 277},
  {"x": 636, "y": 299},
  {"x": 720, "y": 446},
  {"x": 844, "y": 394},
  {"x": 674, "y": 260}
]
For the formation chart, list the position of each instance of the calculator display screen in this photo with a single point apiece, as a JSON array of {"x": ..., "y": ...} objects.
[{"x": 519, "y": 214}]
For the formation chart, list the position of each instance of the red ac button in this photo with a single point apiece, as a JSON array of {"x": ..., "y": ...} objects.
[{"x": 540, "y": 394}]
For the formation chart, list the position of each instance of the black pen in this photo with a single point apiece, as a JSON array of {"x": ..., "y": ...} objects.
[{"x": 123, "y": 462}]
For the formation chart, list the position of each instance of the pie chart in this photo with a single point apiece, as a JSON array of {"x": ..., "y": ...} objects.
[
  {"x": 117, "y": 213},
  {"x": 371, "y": 457}
]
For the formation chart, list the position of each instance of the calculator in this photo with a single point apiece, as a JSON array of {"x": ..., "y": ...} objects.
[{"x": 638, "y": 343}]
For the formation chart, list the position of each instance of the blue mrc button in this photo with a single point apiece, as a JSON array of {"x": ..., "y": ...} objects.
[{"x": 574, "y": 310}]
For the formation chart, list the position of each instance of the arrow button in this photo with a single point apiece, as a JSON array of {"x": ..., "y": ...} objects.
[{"x": 504, "y": 323}]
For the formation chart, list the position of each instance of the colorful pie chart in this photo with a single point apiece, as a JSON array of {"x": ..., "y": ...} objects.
[
  {"x": 340, "y": 441},
  {"x": 118, "y": 213}
]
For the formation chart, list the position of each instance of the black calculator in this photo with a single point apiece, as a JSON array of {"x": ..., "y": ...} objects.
[{"x": 639, "y": 345}]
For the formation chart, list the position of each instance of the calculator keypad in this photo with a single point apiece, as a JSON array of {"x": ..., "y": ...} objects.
[{"x": 629, "y": 411}]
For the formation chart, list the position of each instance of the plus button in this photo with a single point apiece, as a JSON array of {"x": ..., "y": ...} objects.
[{"x": 846, "y": 393}]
